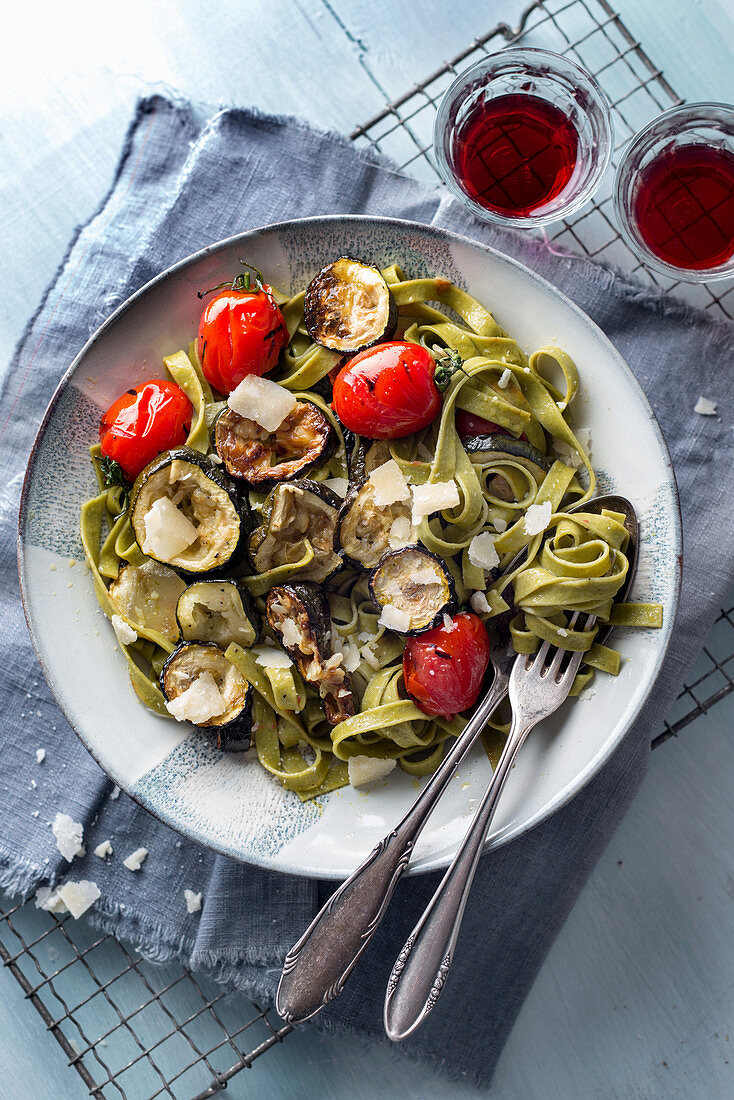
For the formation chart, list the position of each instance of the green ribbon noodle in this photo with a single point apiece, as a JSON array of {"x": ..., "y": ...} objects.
[{"x": 576, "y": 564}]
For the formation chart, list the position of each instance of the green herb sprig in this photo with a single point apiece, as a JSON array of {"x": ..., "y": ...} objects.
[{"x": 446, "y": 368}]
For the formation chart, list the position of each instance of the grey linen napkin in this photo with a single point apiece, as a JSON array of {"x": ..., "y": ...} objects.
[{"x": 181, "y": 184}]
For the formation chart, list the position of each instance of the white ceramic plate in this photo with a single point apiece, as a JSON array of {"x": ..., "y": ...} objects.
[{"x": 232, "y": 805}]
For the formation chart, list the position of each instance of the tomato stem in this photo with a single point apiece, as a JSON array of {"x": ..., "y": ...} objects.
[{"x": 242, "y": 282}]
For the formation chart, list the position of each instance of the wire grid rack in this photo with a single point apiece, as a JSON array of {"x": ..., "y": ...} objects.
[{"x": 135, "y": 1030}]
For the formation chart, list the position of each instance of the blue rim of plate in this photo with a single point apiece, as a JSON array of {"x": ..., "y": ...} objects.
[{"x": 572, "y": 788}]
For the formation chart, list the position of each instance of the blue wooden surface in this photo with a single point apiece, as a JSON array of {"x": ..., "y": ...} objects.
[{"x": 637, "y": 996}]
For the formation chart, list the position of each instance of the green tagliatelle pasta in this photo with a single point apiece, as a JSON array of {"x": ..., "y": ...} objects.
[{"x": 576, "y": 562}]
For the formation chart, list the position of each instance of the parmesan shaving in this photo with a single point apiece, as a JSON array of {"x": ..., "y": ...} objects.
[
  {"x": 68, "y": 835},
  {"x": 482, "y": 551},
  {"x": 263, "y": 401},
  {"x": 367, "y": 769},
  {"x": 71, "y": 897},
  {"x": 268, "y": 657},
  {"x": 351, "y": 657},
  {"x": 124, "y": 632},
  {"x": 201, "y": 701},
  {"x": 433, "y": 497},
  {"x": 193, "y": 901},
  {"x": 479, "y": 603},
  {"x": 167, "y": 530},
  {"x": 292, "y": 636},
  {"x": 338, "y": 485},
  {"x": 389, "y": 485},
  {"x": 537, "y": 518},
  {"x": 136, "y": 859},
  {"x": 394, "y": 618}
]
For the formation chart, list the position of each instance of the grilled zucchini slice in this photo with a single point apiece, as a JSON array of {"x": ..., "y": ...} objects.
[
  {"x": 220, "y": 611},
  {"x": 365, "y": 531},
  {"x": 146, "y": 595},
  {"x": 416, "y": 582},
  {"x": 349, "y": 307},
  {"x": 181, "y": 496},
  {"x": 293, "y": 512},
  {"x": 260, "y": 457},
  {"x": 191, "y": 661},
  {"x": 299, "y": 616}
]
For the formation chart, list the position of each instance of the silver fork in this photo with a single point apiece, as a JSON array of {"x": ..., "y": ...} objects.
[
  {"x": 538, "y": 686},
  {"x": 318, "y": 965}
]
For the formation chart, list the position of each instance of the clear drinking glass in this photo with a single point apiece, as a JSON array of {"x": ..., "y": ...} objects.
[
  {"x": 674, "y": 192},
  {"x": 567, "y": 93}
]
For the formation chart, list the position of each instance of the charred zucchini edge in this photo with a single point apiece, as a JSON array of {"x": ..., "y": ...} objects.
[
  {"x": 235, "y": 734},
  {"x": 448, "y": 604},
  {"x": 239, "y": 505},
  {"x": 249, "y": 610},
  {"x": 321, "y": 492},
  {"x": 316, "y": 607},
  {"x": 326, "y": 446},
  {"x": 328, "y": 320}
]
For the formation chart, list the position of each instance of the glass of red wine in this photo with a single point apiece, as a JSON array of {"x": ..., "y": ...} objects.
[
  {"x": 523, "y": 137},
  {"x": 674, "y": 192}
]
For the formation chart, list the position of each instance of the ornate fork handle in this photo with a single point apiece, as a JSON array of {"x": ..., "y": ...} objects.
[
  {"x": 422, "y": 967},
  {"x": 317, "y": 967}
]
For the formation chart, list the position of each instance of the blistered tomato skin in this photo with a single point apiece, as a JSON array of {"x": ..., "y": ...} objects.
[
  {"x": 444, "y": 669},
  {"x": 387, "y": 391},
  {"x": 153, "y": 417},
  {"x": 240, "y": 333}
]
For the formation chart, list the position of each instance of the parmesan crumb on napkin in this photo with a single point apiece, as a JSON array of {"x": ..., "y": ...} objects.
[
  {"x": 70, "y": 897},
  {"x": 705, "y": 407},
  {"x": 193, "y": 901},
  {"x": 68, "y": 835},
  {"x": 136, "y": 859}
]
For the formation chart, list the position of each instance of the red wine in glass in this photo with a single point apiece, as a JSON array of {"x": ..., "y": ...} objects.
[
  {"x": 515, "y": 153},
  {"x": 684, "y": 206}
]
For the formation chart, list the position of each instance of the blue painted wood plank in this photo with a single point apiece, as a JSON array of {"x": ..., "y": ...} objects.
[{"x": 635, "y": 999}]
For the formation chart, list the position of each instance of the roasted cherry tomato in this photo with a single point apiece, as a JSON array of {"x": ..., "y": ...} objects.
[
  {"x": 144, "y": 421},
  {"x": 467, "y": 425},
  {"x": 387, "y": 391},
  {"x": 444, "y": 668},
  {"x": 241, "y": 332}
]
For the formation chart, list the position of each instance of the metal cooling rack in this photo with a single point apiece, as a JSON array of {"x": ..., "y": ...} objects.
[{"x": 138, "y": 1031}]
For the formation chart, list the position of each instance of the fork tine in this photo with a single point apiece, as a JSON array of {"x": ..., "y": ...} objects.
[
  {"x": 555, "y": 664},
  {"x": 537, "y": 659},
  {"x": 573, "y": 666}
]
